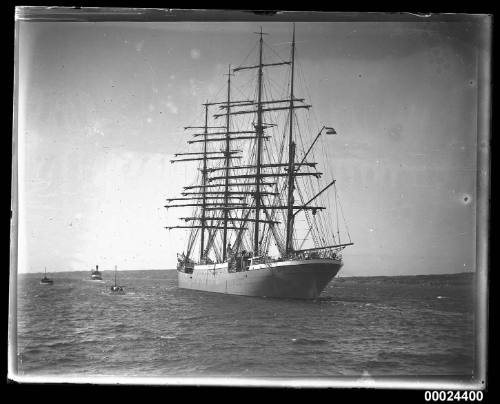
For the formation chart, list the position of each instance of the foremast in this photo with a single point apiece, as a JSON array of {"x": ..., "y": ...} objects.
[{"x": 259, "y": 133}]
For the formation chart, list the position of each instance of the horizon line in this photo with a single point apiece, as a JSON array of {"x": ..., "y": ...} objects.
[{"x": 337, "y": 277}]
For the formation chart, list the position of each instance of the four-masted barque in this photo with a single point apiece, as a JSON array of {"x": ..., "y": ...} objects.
[{"x": 258, "y": 191}]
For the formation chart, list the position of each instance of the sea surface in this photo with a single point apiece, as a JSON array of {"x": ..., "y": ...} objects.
[{"x": 377, "y": 326}]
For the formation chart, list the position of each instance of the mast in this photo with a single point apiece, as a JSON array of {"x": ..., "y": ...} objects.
[
  {"x": 259, "y": 131},
  {"x": 204, "y": 197},
  {"x": 203, "y": 182},
  {"x": 291, "y": 158},
  {"x": 115, "y": 276},
  {"x": 226, "y": 165}
]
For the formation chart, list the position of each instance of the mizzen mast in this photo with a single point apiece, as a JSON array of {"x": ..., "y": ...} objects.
[{"x": 259, "y": 132}]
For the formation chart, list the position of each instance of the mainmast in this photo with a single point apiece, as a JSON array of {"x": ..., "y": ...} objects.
[
  {"x": 226, "y": 164},
  {"x": 291, "y": 159},
  {"x": 259, "y": 132}
]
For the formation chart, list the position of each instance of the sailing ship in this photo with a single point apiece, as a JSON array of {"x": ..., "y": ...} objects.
[
  {"x": 115, "y": 289},
  {"x": 95, "y": 275},
  {"x": 257, "y": 191},
  {"x": 45, "y": 280}
]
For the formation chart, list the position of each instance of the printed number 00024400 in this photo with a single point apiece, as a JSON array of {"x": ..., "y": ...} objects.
[{"x": 471, "y": 395}]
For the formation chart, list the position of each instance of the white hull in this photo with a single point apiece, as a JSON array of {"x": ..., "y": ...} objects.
[{"x": 299, "y": 279}]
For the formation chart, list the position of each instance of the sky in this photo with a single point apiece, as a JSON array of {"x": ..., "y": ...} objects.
[{"x": 101, "y": 110}]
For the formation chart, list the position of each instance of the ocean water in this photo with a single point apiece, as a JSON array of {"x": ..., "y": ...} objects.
[{"x": 377, "y": 326}]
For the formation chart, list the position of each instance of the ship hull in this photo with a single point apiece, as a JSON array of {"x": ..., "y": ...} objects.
[{"x": 284, "y": 279}]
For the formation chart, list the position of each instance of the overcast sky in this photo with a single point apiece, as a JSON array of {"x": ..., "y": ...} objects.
[{"x": 102, "y": 106}]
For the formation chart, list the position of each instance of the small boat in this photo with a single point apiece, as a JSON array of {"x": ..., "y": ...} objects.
[
  {"x": 95, "y": 275},
  {"x": 115, "y": 289},
  {"x": 45, "y": 280}
]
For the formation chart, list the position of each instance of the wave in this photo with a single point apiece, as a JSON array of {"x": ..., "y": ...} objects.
[
  {"x": 442, "y": 358},
  {"x": 325, "y": 299},
  {"x": 382, "y": 364},
  {"x": 309, "y": 341}
]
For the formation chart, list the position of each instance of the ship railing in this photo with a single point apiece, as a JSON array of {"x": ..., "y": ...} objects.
[
  {"x": 328, "y": 254},
  {"x": 267, "y": 260},
  {"x": 206, "y": 261},
  {"x": 261, "y": 260}
]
